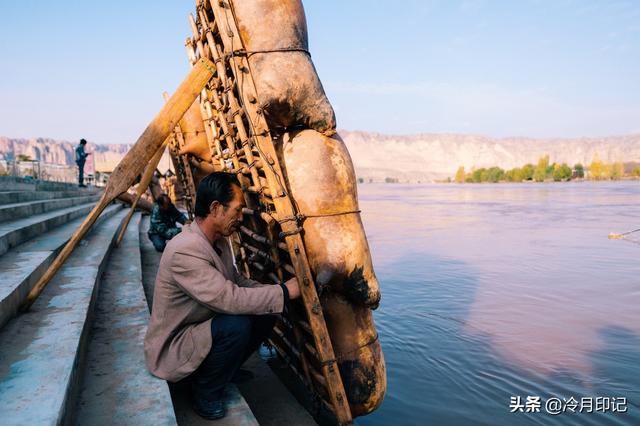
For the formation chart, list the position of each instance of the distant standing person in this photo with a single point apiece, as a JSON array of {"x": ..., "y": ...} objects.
[
  {"x": 163, "y": 222},
  {"x": 81, "y": 157}
]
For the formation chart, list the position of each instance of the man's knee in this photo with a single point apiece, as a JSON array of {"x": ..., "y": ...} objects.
[{"x": 233, "y": 327}]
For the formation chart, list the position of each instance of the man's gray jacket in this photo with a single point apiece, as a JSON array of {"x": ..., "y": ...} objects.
[{"x": 193, "y": 284}]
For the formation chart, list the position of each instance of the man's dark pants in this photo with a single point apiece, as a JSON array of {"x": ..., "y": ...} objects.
[
  {"x": 80, "y": 172},
  {"x": 158, "y": 241},
  {"x": 235, "y": 337}
]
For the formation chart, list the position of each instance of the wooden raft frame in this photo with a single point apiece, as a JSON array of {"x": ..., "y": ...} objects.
[
  {"x": 270, "y": 246},
  {"x": 184, "y": 172}
]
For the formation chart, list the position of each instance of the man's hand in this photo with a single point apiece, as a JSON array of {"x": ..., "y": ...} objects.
[{"x": 294, "y": 289}]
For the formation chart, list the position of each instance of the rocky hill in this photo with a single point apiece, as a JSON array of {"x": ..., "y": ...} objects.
[
  {"x": 426, "y": 157},
  {"x": 105, "y": 157},
  {"x": 413, "y": 158}
]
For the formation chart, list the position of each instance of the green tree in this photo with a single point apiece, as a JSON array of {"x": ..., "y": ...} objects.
[
  {"x": 476, "y": 176},
  {"x": 636, "y": 172},
  {"x": 23, "y": 157},
  {"x": 517, "y": 175},
  {"x": 540, "y": 172},
  {"x": 495, "y": 174},
  {"x": 510, "y": 175},
  {"x": 527, "y": 171},
  {"x": 579, "y": 168},
  {"x": 460, "y": 175},
  {"x": 617, "y": 170},
  {"x": 561, "y": 172},
  {"x": 549, "y": 171}
]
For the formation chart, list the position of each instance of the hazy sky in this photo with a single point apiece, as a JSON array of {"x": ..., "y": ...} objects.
[{"x": 72, "y": 69}]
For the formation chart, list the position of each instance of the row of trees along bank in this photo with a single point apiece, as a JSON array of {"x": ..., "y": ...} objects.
[{"x": 544, "y": 171}]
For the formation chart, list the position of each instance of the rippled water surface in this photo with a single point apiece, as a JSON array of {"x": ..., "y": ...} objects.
[{"x": 494, "y": 291}]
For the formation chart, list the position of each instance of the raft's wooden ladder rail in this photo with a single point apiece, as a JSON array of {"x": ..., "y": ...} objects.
[
  {"x": 271, "y": 190},
  {"x": 184, "y": 173}
]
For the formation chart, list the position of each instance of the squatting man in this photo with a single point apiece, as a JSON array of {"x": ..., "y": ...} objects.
[{"x": 207, "y": 318}]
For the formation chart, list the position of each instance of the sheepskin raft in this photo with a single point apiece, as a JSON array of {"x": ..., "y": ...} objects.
[{"x": 268, "y": 120}]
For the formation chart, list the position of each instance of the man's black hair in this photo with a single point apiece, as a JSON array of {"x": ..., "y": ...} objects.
[
  {"x": 163, "y": 199},
  {"x": 83, "y": 141},
  {"x": 218, "y": 186}
]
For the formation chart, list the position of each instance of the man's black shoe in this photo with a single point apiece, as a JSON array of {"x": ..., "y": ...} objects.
[
  {"x": 242, "y": 376},
  {"x": 213, "y": 410}
]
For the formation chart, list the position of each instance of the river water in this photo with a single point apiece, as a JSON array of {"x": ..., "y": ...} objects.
[{"x": 492, "y": 292}]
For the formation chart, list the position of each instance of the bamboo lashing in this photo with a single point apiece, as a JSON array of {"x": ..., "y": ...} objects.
[
  {"x": 231, "y": 98},
  {"x": 133, "y": 162}
]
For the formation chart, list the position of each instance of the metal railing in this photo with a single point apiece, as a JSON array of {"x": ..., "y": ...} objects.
[{"x": 36, "y": 169}]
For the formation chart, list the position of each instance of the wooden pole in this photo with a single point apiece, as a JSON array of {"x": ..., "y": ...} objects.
[
  {"x": 151, "y": 167},
  {"x": 142, "y": 188},
  {"x": 134, "y": 162}
]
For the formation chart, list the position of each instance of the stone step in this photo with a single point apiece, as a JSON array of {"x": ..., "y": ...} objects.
[
  {"x": 150, "y": 261},
  {"x": 13, "y": 183},
  {"x": 18, "y": 231},
  {"x": 11, "y": 197},
  {"x": 117, "y": 389},
  {"x": 30, "y": 208},
  {"x": 270, "y": 400},
  {"x": 41, "y": 349},
  {"x": 23, "y": 265},
  {"x": 238, "y": 412}
]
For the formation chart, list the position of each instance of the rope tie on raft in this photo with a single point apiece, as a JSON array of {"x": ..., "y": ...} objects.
[
  {"x": 342, "y": 355},
  {"x": 301, "y": 217},
  {"x": 249, "y": 53}
]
